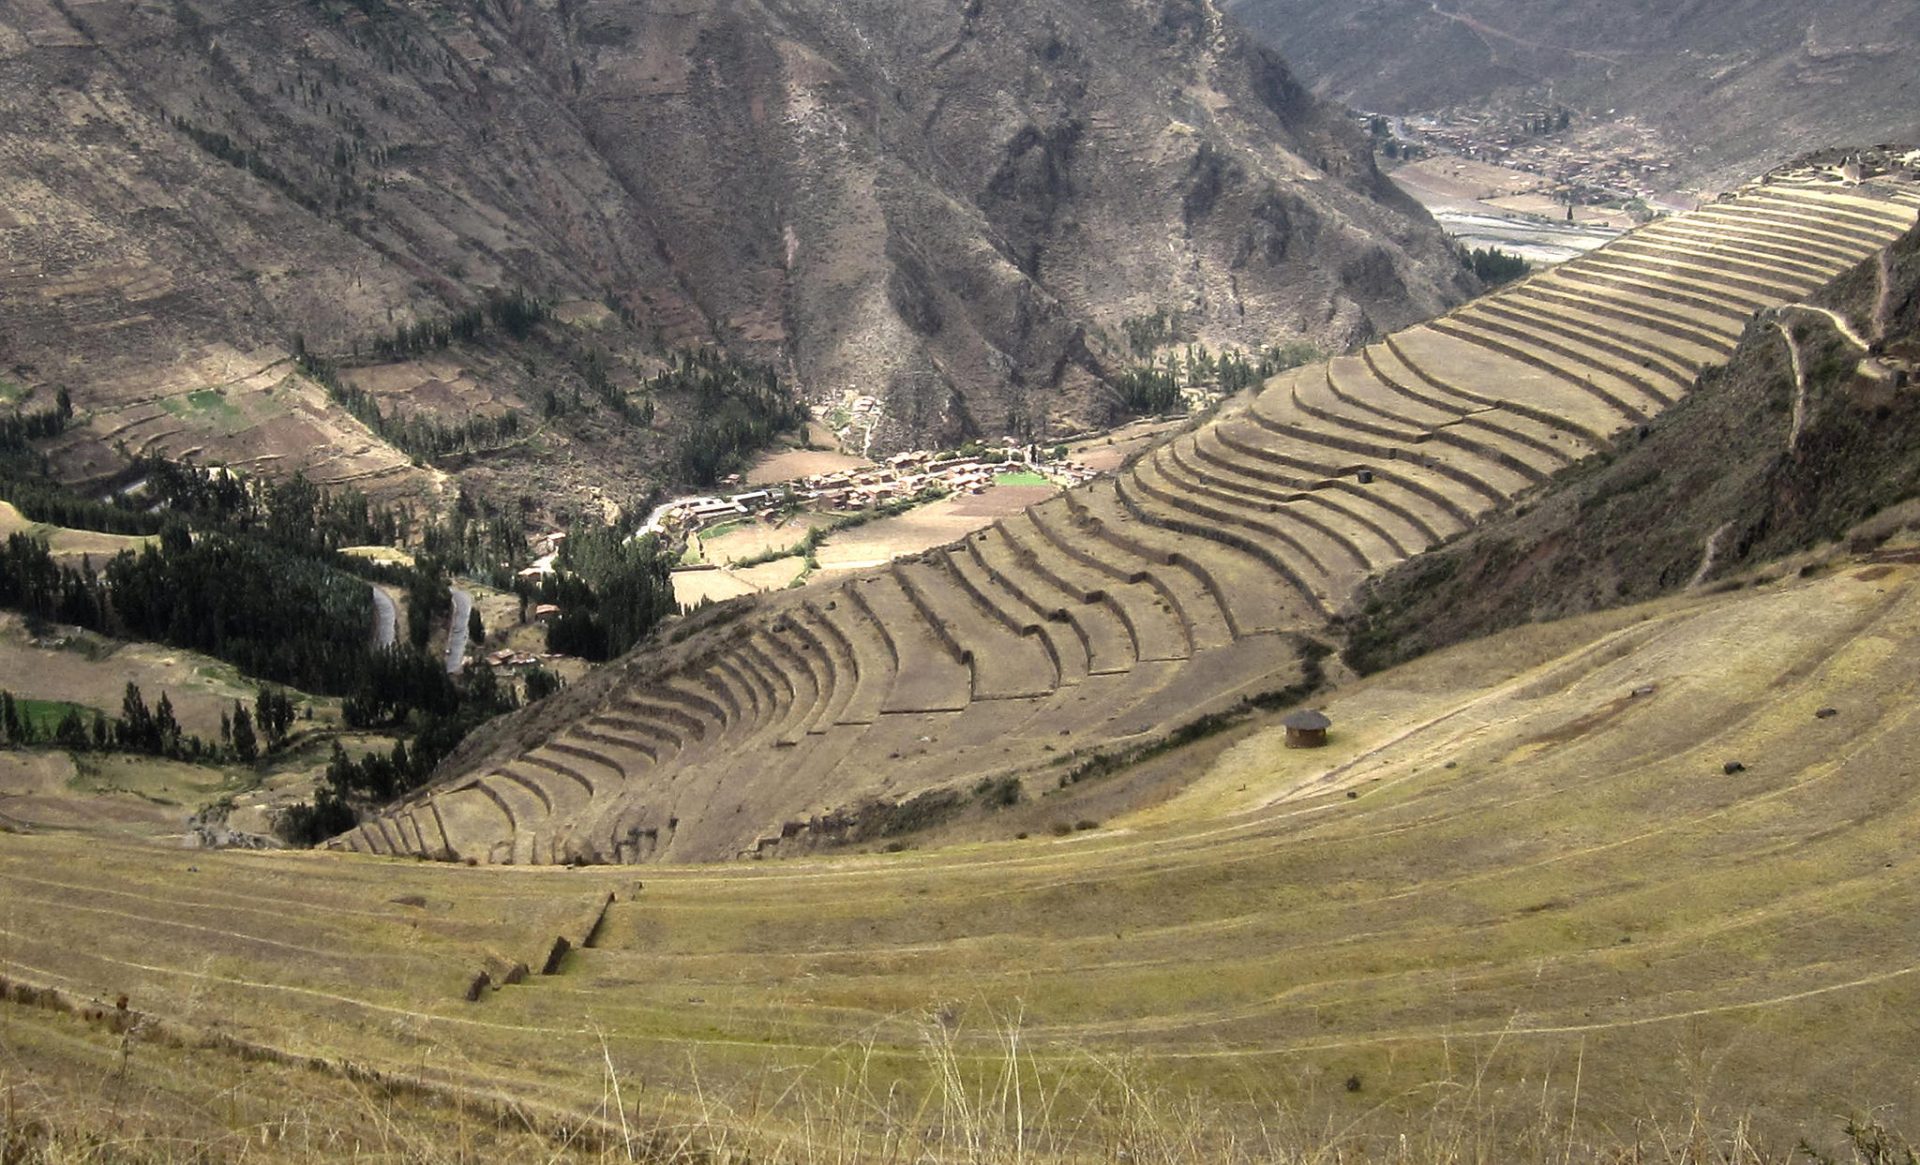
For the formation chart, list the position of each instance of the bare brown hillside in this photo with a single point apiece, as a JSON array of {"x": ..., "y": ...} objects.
[
  {"x": 940, "y": 205},
  {"x": 1734, "y": 87}
]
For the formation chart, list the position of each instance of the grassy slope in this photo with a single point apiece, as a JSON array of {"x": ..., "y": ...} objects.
[
  {"x": 1544, "y": 893},
  {"x": 1636, "y": 524}
]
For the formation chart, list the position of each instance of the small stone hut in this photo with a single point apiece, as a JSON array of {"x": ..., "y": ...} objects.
[{"x": 1307, "y": 728}]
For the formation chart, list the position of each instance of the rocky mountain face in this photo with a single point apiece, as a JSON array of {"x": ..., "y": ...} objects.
[
  {"x": 948, "y": 206},
  {"x": 1736, "y": 86}
]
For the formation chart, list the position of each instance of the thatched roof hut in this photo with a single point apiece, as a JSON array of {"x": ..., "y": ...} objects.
[{"x": 1307, "y": 728}]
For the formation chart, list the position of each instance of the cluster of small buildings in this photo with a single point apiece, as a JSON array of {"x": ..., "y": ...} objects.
[{"x": 898, "y": 478}]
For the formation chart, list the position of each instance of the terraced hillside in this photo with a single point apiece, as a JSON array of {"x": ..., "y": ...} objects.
[
  {"x": 1518, "y": 904},
  {"x": 1181, "y": 586}
]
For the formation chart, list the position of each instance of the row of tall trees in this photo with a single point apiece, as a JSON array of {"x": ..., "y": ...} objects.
[
  {"x": 152, "y": 731},
  {"x": 1495, "y": 266},
  {"x": 515, "y": 312}
]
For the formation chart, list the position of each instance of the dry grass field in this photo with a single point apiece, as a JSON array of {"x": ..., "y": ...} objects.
[
  {"x": 1517, "y": 909},
  {"x": 843, "y": 552},
  {"x": 788, "y": 464},
  {"x": 925, "y": 527}
]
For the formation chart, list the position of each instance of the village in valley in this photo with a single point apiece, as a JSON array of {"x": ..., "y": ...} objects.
[
  {"x": 820, "y": 506},
  {"x": 915, "y": 474}
]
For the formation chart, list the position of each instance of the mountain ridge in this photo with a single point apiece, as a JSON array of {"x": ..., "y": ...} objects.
[{"x": 945, "y": 209}]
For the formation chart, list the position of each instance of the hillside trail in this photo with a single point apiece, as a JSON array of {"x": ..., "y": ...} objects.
[
  {"x": 1840, "y": 323},
  {"x": 1883, "y": 299},
  {"x": 1511, "y": 1029},
  {"x": 1483, "y": 31},
  {"x": 1712, "y": 549},
  {"x": 1799, "y": 387}
]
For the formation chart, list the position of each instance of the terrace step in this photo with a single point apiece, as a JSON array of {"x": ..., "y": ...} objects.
[
  {"x": 1795, "y": 222},
  {"x": 837, "y": 653},
  {"x": 1183, "y": 463},
  {"x": 1380, "y": 508},
  {"x": 1658, "y": 353},
  {"x": 1104, "y": 639},
  {"x": 1542, "y": 395},
  {"x": 1752, "y": 250},
  {"x": 443, "y": 844},
  {"x": 1714, "y": 337},
  {"x": 368, "y": 838},
  {"x": 1472, "y": 480},
  {"x": 668, "y": 731},
  {"x": 1227, "y": 587},
  {"x": 1733, "y": 226},
  {"x": 738, "y": 695},
  {"x": 585, "y": 759},
  {"x": 799, "y": 693},
  {"x": 1700, "y": 283},
  {"x": 803, "y": 646},
  {"x": 1152, "y": 629},
  {"x": 1482, "y": 433},
  {"x": 1315, "y": 401},
  {"x": 871, "y": 654},
  {"x": 1834, "y": 206},
  {"x": 1749, "y": 273},
  {"x": 527, "y": 804},
  {"x": 1627, "y": 400},
  {"x": 568, "y": 786},
  {"x": 1310, "y": 558},
  {"x": 686, "y": 692},
  {"x": 632, "y": 751},
  {"x": 1354, "y": 385},
  {"x": 1683, "y": 296},
  {"x": 1648, "y": 385},
  {"x": 773, "y": 696},
  {"x": 1064, "y": 652},
  {"x": 565, "y": 801},
  {"x": 1005, "y": 664},
  {"x": 1428, "y": 501},
  {"x": 474, "y": 820},
  {"x": 398, "y": 826},
  {"x": 1096, "y": 549},
  {"x": 928, "y": 674}
]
